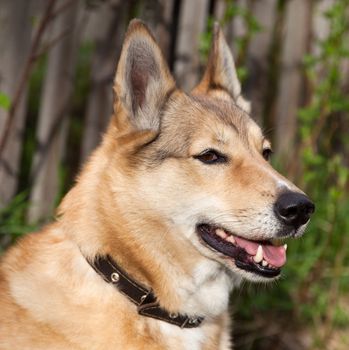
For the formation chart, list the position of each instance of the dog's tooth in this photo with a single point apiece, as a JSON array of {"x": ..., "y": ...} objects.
[
  {"x": 221, "y": 233},
  {"x": 285, "y": 247},
  {"x": 264, "y": 262},
  {"x": 259, "y": 255},
  {"x": 230, "y": 239}
]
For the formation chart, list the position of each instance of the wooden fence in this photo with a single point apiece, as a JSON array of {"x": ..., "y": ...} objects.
[{"x": 268, "y": 37}]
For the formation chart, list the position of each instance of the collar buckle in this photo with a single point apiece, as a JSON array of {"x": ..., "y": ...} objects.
[{"x": 192, "y": 322}]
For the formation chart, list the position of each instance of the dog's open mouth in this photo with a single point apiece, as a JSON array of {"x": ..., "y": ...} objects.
[{"x": 260, "y": 257}]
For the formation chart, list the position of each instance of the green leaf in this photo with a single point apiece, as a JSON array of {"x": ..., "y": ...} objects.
[
  {"x": 5, "y": 101},
  {"x": 242, "y": 73}
]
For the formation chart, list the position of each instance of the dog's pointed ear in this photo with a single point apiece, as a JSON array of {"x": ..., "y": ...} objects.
[
  {"x": 220, "y": 72},
  {"x": 143, "y": 80}
]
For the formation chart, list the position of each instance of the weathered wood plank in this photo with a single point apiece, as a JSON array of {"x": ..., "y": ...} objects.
[
  {"x": 14, "y": 51},
  {"x": 257, "y": 59},
  {"x": 113, "y": 17},
  {"x": 297, "y": 30},
  {"x": 55, "y": 102},
  {"x": 192, "y": 22}
]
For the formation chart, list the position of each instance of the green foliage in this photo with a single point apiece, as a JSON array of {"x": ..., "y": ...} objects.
[
  {"x": 29, "y": 136},
  {"x": 5, "y": 101},
  {"x": 241, "y": 43},
  {"x": 13, "y": 221},
  {"x": 82, "y": 79},
  {"x": 251, "y": 25},
  {"x": 206, "y": 39},
  {"x": 326, "y": 176},
  {"x": 316, "y": 279}
]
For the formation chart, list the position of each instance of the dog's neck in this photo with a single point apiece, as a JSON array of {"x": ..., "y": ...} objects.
[
  {"x": 148, "y": 249},
  {"x": 181, "y": 279},
  {"x": 181, "y": 282}
]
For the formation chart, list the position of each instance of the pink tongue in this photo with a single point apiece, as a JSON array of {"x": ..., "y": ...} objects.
[
  {"x": 249, "y": 246},
  {"x": 275, "y": 256}
]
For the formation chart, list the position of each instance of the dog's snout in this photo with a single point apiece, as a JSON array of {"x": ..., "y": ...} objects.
[{"x": 293, "y": 209}]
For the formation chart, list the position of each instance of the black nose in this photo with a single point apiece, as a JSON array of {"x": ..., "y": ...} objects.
[{"x": 293, "y": 209}]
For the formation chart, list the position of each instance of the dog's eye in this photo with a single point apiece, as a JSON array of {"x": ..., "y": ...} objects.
[
  {"x": 267, "y": 152},
  {"x": 211, "y": 156}
]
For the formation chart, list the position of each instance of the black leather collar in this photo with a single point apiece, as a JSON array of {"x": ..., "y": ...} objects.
[{"x": 147, "y": 304}]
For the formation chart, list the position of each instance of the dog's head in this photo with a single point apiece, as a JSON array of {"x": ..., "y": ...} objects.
[{"x": 199, "y": 162}]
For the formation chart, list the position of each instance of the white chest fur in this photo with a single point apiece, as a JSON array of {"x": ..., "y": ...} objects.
[
  {"x": 207, "y": 292},
  {"x": 187, "y": 339}
]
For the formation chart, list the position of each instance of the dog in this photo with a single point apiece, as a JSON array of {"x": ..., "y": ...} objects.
[{"x": 176, "y": 207}]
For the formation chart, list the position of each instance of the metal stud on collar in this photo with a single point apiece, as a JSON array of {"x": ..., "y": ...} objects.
[
  {"x": 173, "y": 315},
  {"x": 114, "y": 277}
]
